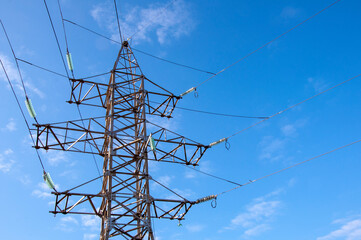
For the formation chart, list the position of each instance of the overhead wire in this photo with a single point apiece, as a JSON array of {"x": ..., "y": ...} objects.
[
  {"x": 214, "y": 113},
  {"x": 72, "y": 72},
  {"x": 140, "y": 51},
  {"x": 266, "y": 44},
  {"x": 59, "y": 74},
  {"x": 61, "y": 55},
  {"x": 212, "y": 175},
  {"x": 293, "y": 106},
  {"x": 28, "y": 102},
  {"x": 289, "y": 167},
  {"x": 29, "y": 106},
  {"x": 45, "y": 69},
  {"x": 22, "y": 113},
  {"x": 220, "y": 114},
  {"x": 116, "y": 12}
]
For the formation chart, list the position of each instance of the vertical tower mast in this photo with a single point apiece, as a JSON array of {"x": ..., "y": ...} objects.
[{"x": 127, "y": 72}]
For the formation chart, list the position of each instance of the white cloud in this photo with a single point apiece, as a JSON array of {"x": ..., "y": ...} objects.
[
  {"x": 67, "y": 224},
  {"x": 10, "y": 126},
  {"x": 255, "y": 212},
  {"x": 15, "y": 78},
  {"x": 290, "y": 12},
  {"x": 6, "y": 162},
  {"x": 25, "y": 179},
  {"x": 190, "y": 174},
  {"x": 195, "y": 228},
  {"x": 257, "y": 216},
  {"x": 90, "y": 236},
  {"x": 272, "y": 148},
  {"x": 317, "y": 84},
  {"x": 165, "y": 21},
  {"x": 165, "y": 180},
  {"x": 90, "y": 221},
  {"x": 350, "y": 230},
  {"x": 257, "y": 230},
  {"x": 288, "y": 130},
  {"x": 43, "y": 191},
  {"x": 69, "y": 219},
  {"x": 56, "y": 157}
]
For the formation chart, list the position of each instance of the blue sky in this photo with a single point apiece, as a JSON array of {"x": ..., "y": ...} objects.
[{"x": 319, "y": 200}]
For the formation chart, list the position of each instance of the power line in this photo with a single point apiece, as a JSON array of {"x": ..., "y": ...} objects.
[
  {"x": 17, "y": 64},
  {"x": 59, "y": 74},
  {"x": 22, "y": 113},
  {"x": 168, "y": 61},
  {"x": 61, "y": 55},
  {"x": 220, "y": 114},
  {"x": 116, "y": 12},
  {"x": 266, "y": 44},
  {"x": 92, "y": 31},
  {"x": 295, "y": 105},
  {"x": 214, "y": 176},
  {"x": 72, "y": 72},
  {"x": 45, "y": 69},
  {"x": 57, "y": 40},
  {"x": 214, "y": 113},
  {"x": 140, "y": 51},
  {"x": 287, "y": 168}
]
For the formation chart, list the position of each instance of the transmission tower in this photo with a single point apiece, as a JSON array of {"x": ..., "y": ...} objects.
[{"x": 124, "y": 203}]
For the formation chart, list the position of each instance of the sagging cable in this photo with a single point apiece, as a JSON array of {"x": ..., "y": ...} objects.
[
  {"x": 218, "y": 142},
  {"x": 188, "y": 91},
  {"x": 30, "y": 108},
  {"x": 70, "y": 61},
  {"x": 48, "y": 181}
]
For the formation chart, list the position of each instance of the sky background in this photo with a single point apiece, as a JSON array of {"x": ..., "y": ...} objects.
[{"x": 319, "y": 200}]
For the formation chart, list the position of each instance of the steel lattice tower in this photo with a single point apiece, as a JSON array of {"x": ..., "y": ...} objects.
[{"x": 124, "y": 202}]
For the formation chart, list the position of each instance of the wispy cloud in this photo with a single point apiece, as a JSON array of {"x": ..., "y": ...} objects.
[
  {"x": 15, "y": 78},
  {"x": 274, "y": 148},
  {"x": 43, "y": 191},
  {"x": 166, "y": 22},
  {"x": 56, "y": 157},
  {"x": 67, "y": 224},
  {"x": 6, "y": 163},
  {"x": 317, "y": 84},
  {"x": 350, "y": 230},
  {"x": 195, "y": 228},
  {"x": 256, "y": 218},
  {"x": 10, "y": 126},
  {"x": 90, "y": 236},
  {"x": 92, "y": 222},
  {"x": 290, "y": 12}
]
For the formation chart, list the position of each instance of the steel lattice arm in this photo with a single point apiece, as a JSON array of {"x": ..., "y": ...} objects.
[
  {"x": 94, "y": 94},
  {"x": 72, "y": 136},
  {"x": 177, "y": 211}
]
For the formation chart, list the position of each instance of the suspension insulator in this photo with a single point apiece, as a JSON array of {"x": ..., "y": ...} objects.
[
  {"x": 48, "y": 180},
  {"x": 152, "y": 143},
  {"x": 70, "y": 61},
  {"x": 217, "y": 142},
  {"x": 188, "y": 91},
  {"x": 30, "y": 108},
  {"x": 205, "y": 199}
]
